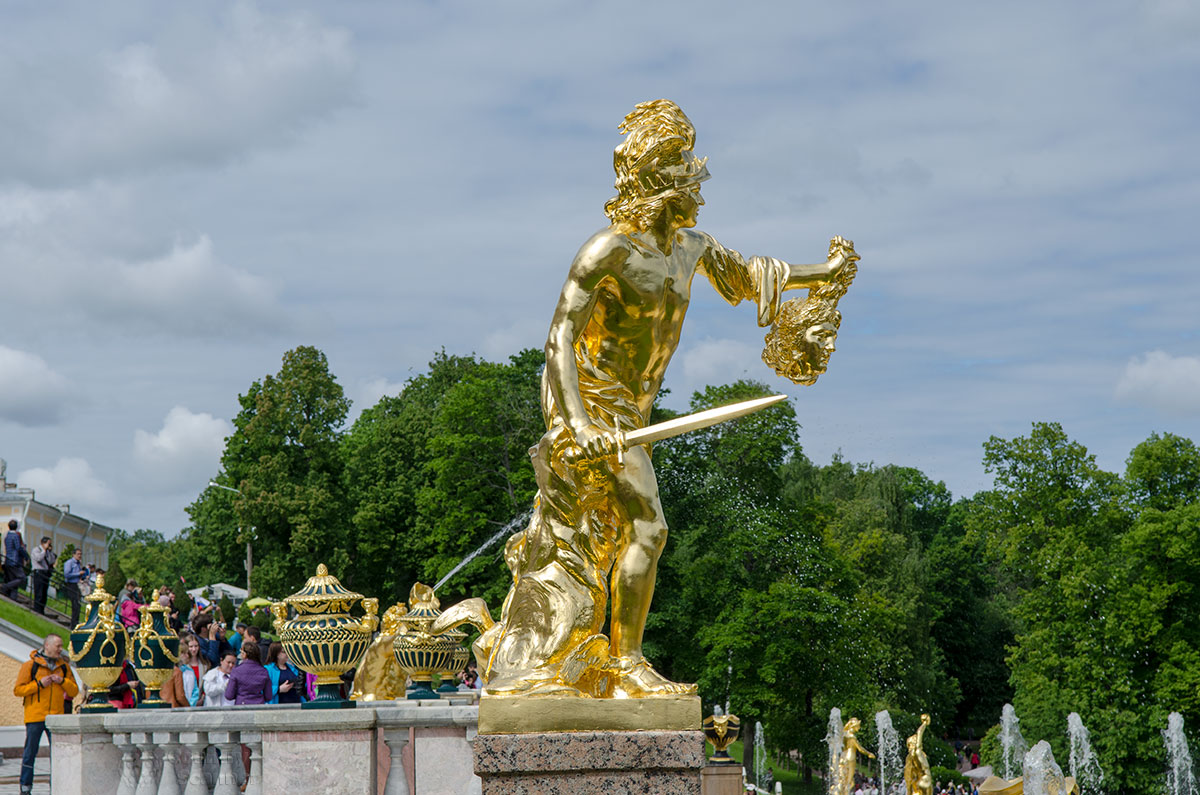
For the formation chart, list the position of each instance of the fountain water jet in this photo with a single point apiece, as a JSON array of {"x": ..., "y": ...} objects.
[
  {"x": 507, "y": 530},
  {"x": 1181, "y": 779},
  {"x": 1042, "y": 775},
  {"x": 1084, "y": 765},
  {"x": 760, "y": 757},
  {"x": 1011, "y": 742},
  {"x": 891, "y": 765},
  {"x": 833, "y": 738}
]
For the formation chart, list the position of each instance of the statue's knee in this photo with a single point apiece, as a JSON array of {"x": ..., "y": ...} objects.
[{"x": 651, "y": 535}]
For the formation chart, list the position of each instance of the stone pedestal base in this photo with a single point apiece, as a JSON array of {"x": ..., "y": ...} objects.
[
  {"x": 721, "y": 780},
  {"x": 587, "y": 763}
]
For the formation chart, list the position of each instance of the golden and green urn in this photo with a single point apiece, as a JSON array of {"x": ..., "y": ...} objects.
[
  {"x": 324, "y": 639},
  {"x": 721, "y": 731},
  {"x": 422, "y": 653},
  {"x": 155, "y": 652},
  {"x": 99, "y": 645}
]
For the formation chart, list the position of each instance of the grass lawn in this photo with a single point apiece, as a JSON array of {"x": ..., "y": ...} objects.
[
  {"x": 30, "y": 622},
  {"x": 791, "y": 780}
]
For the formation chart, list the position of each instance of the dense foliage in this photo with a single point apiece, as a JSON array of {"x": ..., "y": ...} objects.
[{"x": 786, "y": 588}]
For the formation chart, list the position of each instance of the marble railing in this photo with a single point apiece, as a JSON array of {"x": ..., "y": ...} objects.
[{"x": 379, "y": 748}]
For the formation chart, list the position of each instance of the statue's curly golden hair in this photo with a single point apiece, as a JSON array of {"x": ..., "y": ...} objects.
[{"x": 653, "y": 161}]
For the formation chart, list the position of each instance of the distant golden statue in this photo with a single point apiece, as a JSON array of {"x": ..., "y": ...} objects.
[
  {"x": 598, "y": 526},
  {"x": 918, "y": 780},
  {"x": 379, "y": 677},
  {"x": 847, "y": 766}
]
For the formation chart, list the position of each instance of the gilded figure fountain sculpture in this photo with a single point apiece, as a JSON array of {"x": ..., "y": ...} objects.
[{"x": 597, "y": 529}]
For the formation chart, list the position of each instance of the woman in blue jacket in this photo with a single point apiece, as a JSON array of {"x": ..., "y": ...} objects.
[{"x": 287, "y": 683}]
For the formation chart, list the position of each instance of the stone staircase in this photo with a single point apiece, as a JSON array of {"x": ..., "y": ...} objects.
[{"x": 24, "y": 600}]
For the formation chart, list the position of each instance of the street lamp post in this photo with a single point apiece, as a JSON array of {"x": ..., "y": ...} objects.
[{"x": 249, "y": 549}]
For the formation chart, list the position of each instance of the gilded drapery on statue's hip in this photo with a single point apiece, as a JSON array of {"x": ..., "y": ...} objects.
[{"x": 550, "y": 626}]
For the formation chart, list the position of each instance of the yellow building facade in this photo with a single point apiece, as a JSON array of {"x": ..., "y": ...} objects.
[{"x": 39, "y": 520}]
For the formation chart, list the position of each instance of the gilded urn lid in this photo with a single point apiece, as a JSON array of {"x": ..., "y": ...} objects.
[
  {"x": 154, "y": 606},
  {"x": 323, "y": 593},
  {"x": 98, "y": 593},
  {"x": 423, "y": 608},
  {"x": 422, "y": 604}
]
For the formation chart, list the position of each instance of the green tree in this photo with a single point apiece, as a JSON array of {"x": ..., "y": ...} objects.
[
  {"x": 1101, "y": 577},
  {"x": 750, "y": 601},
  {"x": 1163, "y": 472},
  {"x": 145, "y": 556},
  {"x": 438, "y": 469},
  {"x": 971, "y": 627},
  {"x": 284, "y": 460},
  {"x": 480, "y": 473},
  {"x": 228, "y": 612}
]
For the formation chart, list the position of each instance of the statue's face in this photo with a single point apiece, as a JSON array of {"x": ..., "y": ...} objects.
[
  {"x": 820, "y": 341},
  {"x": 685, "y": 205},
  {"x": 811, "y": 358}
]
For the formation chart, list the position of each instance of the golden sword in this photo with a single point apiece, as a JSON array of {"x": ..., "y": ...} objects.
[{"x": 689, "y": 422}]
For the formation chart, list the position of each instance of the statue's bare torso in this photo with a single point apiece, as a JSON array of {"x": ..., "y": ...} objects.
[{"x": 640, "y": 297}]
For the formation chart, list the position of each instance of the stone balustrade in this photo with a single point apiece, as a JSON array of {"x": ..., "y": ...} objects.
[{"x": 379, "y": 748}]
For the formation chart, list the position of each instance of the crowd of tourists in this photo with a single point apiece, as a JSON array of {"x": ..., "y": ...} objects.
[
  {"x": 21, "y": 564},
  {"x": 870, "y": 786}
]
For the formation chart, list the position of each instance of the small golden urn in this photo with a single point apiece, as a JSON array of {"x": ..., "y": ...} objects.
[
  {"x": 721, "y": 731},
  {"x": 324, "y": 639},
  {"x": 155, "y": 652},
  {"x": 98, "y": 648},
  {"x": 422, "y": 653}
]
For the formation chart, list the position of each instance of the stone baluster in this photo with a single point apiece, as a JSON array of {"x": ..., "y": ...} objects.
[
  {"x": 197, "y": 744},
  {"x": 254, "y": 777},
  {"x": 147, "y": 781},
  {"x": 476, "y": 782},
  {"x": 129, "y": 777},
  {"x": 168, "y": 780},
  {"x": 231, "y": 747},
  {"x": 397, "y": 779}
]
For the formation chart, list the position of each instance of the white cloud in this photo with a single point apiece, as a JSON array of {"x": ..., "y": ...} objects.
[
  {"x": 184, "y": 453},
  {"x": 187, "y": 291},
  {"x": 500, "y": 342},
  {"x": 202, "y": 90},
  {"x": 1162, "y": 381},
  {"x": 369, "y": 391},
  {"x": 30, "y": 392},
  {"x": 719, "y": 361},
  {"x": 70, "y": 481}
]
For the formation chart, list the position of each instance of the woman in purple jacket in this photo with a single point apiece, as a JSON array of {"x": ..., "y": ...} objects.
[{"x": 249, "y": 683}]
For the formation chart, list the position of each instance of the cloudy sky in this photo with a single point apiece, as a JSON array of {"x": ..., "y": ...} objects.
[{"x": 189, "y": 190}]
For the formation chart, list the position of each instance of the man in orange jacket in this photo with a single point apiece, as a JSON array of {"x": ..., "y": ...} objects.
[{"x": 45, "y": 682}]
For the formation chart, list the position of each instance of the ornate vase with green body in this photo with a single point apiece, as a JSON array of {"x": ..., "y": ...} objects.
[
  {"x": 324, "y": 639},
  {"x": 98, "y": 648},
  {"x": 422, "y": 652},
  {"x": 155, "y": 652}
]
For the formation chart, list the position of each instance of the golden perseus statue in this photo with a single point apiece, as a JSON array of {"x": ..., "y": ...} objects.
[
  {"x": 598, "y": 526},
  {"x": 918, "y": 779}
]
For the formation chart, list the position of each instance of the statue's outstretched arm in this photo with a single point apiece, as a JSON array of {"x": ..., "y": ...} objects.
[
  {"x": 815, "y": 275},
  {"x": 862, "y": 750}
]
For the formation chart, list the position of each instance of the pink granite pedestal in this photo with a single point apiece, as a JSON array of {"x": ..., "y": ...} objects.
[{"x": 591, "y": 763}]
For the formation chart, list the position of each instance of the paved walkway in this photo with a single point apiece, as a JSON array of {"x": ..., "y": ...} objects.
[{"x": 11, "y": 769}]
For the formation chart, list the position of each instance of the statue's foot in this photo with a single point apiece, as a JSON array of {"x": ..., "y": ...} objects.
[
  {"x": 515, "y": 686},
  {"x": 638, "y": 679}
]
